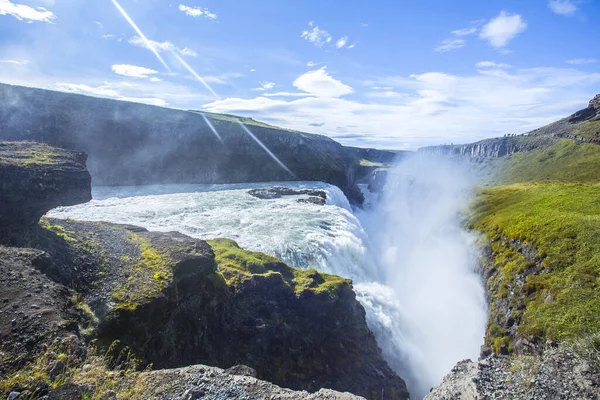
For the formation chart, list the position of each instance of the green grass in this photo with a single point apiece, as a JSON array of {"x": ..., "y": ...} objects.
[
  {"x": 368, "y": 163},
  {"x": 561, "y": 221},
  {"x": 588, "y": 129},
  {"x": 237, "y": 265},
  {"x": 565, "y": 160}
]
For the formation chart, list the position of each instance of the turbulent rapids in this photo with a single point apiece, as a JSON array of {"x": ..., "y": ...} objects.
[{"x": 330, "y": 238}]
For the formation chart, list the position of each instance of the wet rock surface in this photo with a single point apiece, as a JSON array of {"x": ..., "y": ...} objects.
[
  {"x": 277, "y": 192},
  {"x": 558, "y": 374},
  {"x": 34, "y": 178},
  {"x": 34, "y": 310}
]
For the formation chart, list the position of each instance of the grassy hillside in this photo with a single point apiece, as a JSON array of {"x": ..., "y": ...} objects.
[{"x": 540, "y": 220}]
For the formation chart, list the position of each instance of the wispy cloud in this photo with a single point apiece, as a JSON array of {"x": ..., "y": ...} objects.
[
  {"x": 287, "y": 94},
  {"x": 449, "y": 45},
  {"x": 341, "y": 42},
  {"x": 265, "y": 85},
  {"x": 491, "y": 64},
  {"x": 580, "y": 61},
  {"x": 464, "y": 31},
  {"x": 15, "y": 62},
  {"x": 24, "y": 12},
  {"x": 165, "y": 46},
  {"x": 133, "y": 71},
  {"x": 502, "y": 29},
  {"x": 315, "y": 35},
  {"x": 197, "y": 12},
  {"x": 563, "y": 7},
  {"x": 312, "y": 64}
]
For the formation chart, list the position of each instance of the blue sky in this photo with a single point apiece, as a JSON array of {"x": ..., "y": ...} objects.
[{"x": 390, "y": 74}]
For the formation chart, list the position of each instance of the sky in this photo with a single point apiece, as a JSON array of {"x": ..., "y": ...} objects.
[{"x": 397, "y": 74}]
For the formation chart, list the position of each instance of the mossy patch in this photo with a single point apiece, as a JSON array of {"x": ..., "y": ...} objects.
[
  {"x": 237, "y": 265},
  {"x": 561, "y": 299},
  {"x": 146, "y": 278}
]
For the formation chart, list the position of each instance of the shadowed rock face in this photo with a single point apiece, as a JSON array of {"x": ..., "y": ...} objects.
[
  {"x": 34, "y": 178},
  {"x": 134, "y": 144}
]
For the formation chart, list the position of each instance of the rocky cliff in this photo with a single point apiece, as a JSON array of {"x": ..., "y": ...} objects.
[
  {"x": 167, "y": 300},
  {"x": 583, "y": 126},
  {"x": 131, "y": 144}
]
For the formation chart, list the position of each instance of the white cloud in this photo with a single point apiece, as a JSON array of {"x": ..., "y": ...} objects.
[
  {"x": 197, "y": 12},
  {"x": 165, "y": 46},
  {"x": 351, "y": 46},
  {"x": 266, "y": 85},
  {"x": 341, "y": 42},
  {"x": 502, "y": 29},
  {"x": 252, "y": 70},
  {"x": 15, "y": 62},
  {"x": 364, "y": 25},
  {"x": 436, "y": 108},
  {"x": 450, "y": 44},
  {"x": 23, "y": 12},
  {"x": 155, "y": 79},
  {"x": 390, "y": 94},
  {"x": 312, "y": 64},
  {"x": 579, "y": 61},
  {"x": 133, "y": 71},
  {"x": 315, "y": 35},
  {"x": 321, "y": 84},
  {"x": 491, "y": 64},
  {"x": 464, "y": 32},
  {"x": 563, "y": 7},
  {"x": 382, "y": 88}
]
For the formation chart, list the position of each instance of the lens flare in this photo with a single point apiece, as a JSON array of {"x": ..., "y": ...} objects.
[
  {"x": 141, "y": 34},
  {"x": 273, "y": 156},
  {"x": 202, "y": 81},
  {"x": 212, "y": 128},
  {"x": 198, "y": 77}
]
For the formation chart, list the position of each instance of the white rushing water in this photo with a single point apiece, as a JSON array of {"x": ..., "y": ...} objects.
[{"x": 331, "y": 239}]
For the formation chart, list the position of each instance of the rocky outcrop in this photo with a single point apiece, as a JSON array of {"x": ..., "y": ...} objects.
[
  {"x": 168, "y": 300},
  {"x": 277, "y": 192},
  {"x": 560, "y": 374},
  {"x": 133, "y": 144},
  {"x": 590, "y": 113},
  {"x": 202, "y": 382},
  {"x": 35, "y": 178}
]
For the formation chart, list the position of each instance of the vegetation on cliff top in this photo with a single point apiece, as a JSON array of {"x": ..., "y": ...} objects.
[
  {"x": 565, "y": 160},
  {"x": 29, "y": 154},
  {"x": 237, "y": 264},
  {"x": 558, "y": 283}
]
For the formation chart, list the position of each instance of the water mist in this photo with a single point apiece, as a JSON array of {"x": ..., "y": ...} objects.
[{"x": 429, "y": 310}]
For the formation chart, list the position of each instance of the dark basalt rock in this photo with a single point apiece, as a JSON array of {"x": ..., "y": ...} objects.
[
  {"x": 277, "y": 192},
  {"x": 34, "y": 178},
  {"x": 319, "y": 201}
]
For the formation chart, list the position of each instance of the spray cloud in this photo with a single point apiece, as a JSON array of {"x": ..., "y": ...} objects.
[{"x": 432, "y": 294}]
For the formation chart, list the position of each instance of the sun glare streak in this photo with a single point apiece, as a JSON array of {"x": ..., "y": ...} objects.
[
  {"x": 273, "y": 156},
  {"x": 140, "y": 33},
  {"x": 212, "y": 128},
  {"x": 198, "y": 77},
  {"x": 203, "y": 82}
]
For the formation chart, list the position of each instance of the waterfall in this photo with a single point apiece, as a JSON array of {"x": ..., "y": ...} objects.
[{"x": 373, "y": 248}]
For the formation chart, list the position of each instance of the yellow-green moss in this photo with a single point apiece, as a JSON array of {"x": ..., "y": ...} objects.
[
  {"x": 237, "y": 264},
  {"x": 147, "y": 277}
]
